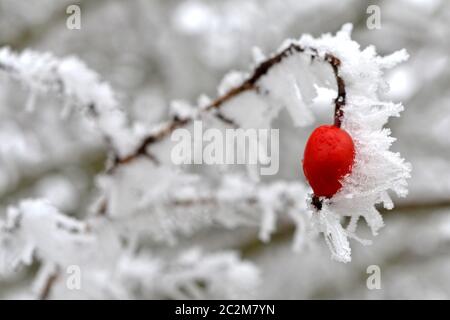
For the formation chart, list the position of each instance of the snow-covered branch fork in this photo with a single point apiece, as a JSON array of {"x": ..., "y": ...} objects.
[{"x": 144, "y": 195}]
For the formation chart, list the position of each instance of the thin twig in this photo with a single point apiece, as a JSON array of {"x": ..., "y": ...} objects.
[{"x": 50, "y": 281}]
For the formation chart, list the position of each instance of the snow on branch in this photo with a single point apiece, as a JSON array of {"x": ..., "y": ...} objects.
[
  {"x": 251, "y": 83},
  {"x": 36, "y": 230},
  {"x": 78, "y": 86}
]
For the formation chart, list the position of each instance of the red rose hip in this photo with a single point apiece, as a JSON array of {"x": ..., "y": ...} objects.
[{"x": 328, "y": 157}]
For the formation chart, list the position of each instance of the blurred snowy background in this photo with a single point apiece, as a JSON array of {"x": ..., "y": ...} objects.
[{"x": 156, "y": 51}]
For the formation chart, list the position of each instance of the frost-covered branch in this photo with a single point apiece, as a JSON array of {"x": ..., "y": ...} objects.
[
  {"x": 249, "y": 84},
  {"x": 78, "y": 86},
  {"x": 82, "y": 87},
  {"x": 36, "y": 230}
]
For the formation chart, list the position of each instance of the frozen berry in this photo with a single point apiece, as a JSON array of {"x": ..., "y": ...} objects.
[{"x": 328, "y": 157}]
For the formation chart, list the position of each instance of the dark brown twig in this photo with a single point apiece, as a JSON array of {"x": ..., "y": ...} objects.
[
  {"x": 316, "y": 202},
  {"x": 50, "y": 281},
  {"x": 340, "y": 100}
]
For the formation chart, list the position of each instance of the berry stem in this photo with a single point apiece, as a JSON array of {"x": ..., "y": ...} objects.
[
  {"x": 316, "y": 202},
  {"x": 340, "y": 100}
]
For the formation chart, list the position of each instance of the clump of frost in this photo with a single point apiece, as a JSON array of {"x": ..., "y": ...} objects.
[
  {"x": 36, "y": 228},
  {"x": 182, "y": 110},
  {"x": 231, "y": 80}
]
